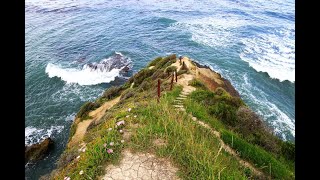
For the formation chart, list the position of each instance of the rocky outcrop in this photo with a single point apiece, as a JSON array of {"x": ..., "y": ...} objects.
[
  {"x": 38, "y": 151},
  {"x": 209, "y": 77}
]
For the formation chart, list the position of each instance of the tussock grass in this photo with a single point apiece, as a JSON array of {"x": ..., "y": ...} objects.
[
  {"x": 191, "y": 147},
  {"x": 155, "y": 61},
  {"x": 85, "y": 109},
  {"x": 201, "y": 103},
  {"x": 258, "y": 156},
  {"x": 196, "y": 83}
]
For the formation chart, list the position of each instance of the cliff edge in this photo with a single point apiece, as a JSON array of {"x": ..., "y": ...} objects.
[{"x": 174, "y": 119}]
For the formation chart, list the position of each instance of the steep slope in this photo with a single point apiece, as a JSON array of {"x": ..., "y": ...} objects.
[{"x": 198, "y": 129}]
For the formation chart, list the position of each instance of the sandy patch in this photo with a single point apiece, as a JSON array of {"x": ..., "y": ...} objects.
[{"x": 96, "y": 115}]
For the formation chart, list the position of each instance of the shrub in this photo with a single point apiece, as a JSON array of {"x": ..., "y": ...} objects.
[
  {"x": 154, "y": 62},
  {"x": 172, "y": 57},
  {"x": 165, "y": 62},
  {"x": 223, "y": 96},
  {"x": 85, "y": 109},
  {"x": 72, "y": 130},
  {"x": 224, "y": 112},
  {"x": 220, "y": 91},
  {"x": 142, "y": 75},
  {"x": 112, "y": 92},
  {"x": 145, "y": 85},
  {"x": 288, "y": 151},
  {"x": 170, "y": 69},
  {"x": 159, "y": 74},
  {"x": 127, "y": 94},
  {"x": 255, "y": 131},
  {"x": 67, "y": 157},
  {"x": 196, "y": 83},
  {"x": 202, "y": 95}
]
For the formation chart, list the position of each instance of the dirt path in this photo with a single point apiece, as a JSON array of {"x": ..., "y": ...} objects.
[
  {"x": 140, "y": 166},
  {"x": 96, "y": 115}
]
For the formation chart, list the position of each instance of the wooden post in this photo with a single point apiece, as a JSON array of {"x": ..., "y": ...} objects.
[
  {"x": 175, "y": 72},
  {"x": 171, "y": 82},
  {"x": 158, "y": 90}
]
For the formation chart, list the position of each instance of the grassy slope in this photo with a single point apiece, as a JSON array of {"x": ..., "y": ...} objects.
[
  {"x": 189, "y": 146},
  {"x": 270, "y": 163}
]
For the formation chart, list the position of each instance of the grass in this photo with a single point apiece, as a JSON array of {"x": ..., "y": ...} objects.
[
  {"x": 196, "y": 83},
  {"x": 258, "y": 156},
  {"x": 85, "y": 109},
  {"x": 72, "y": 131},
  {"x": 191, "y": 147},
  {"x": 96, "y": 154},
  {"x": 155, "y": 61},
  {"x": 199, "y": 105},
  {"x": 170, "y": 69}
]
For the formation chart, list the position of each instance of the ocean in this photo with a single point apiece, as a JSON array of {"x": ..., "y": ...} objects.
[{"x": 249, "y": 42}]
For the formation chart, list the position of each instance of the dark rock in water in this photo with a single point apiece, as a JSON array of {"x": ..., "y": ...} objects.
[
  {"x": 126, "y": 69},
  {"x": 38, "y": 151},
  {"x": 116, "y": 61}
]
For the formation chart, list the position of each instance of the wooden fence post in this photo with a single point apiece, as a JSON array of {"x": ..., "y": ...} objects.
[
  {"x": 171, "y": 82},
  {"x": 176, "y": 74}
]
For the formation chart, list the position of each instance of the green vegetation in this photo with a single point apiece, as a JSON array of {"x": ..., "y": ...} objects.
[
  {"x": 73, "y": 129},
  {"x": 112, "y": 92},
  {"x": 85, "y": 109},
  {"x": 197, "y": 84},
  {"x": 191, "y": 147},
  {"x": 195, "y": 150},
  {"x": 109, "y": 94},
  {"x": 165, "y": 62},
  {"x": 251, "y": 138},
  {"x": 171, "y": 69},
  {"x": 258, "y": 156},
  {"x": 142, "y": 75},
  {"x": 155, "y": 61},
  {"x": 96, "y": 154}
]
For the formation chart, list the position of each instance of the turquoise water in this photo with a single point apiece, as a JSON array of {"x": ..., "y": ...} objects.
[{"x": 251, "y": 43}]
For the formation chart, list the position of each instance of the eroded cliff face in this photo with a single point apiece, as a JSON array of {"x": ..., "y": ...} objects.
[{"x": 211, "y": 79}]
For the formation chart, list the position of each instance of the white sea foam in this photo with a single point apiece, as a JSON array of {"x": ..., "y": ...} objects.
[
  {"x": 270, "y": 48},
  {"x": 70, "y": 117},
  {"x": 93, "y": 73},
  {"x": 270, "y": 112},
  {"x": 34, "y": 135},
  {"x": 212, "y": 31},
  {"x": 74, "y": 92},
  {"x": 85, "y": 76},
  {"x": 271, "y": 52},
  {"x": 274, "y": 54}
]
